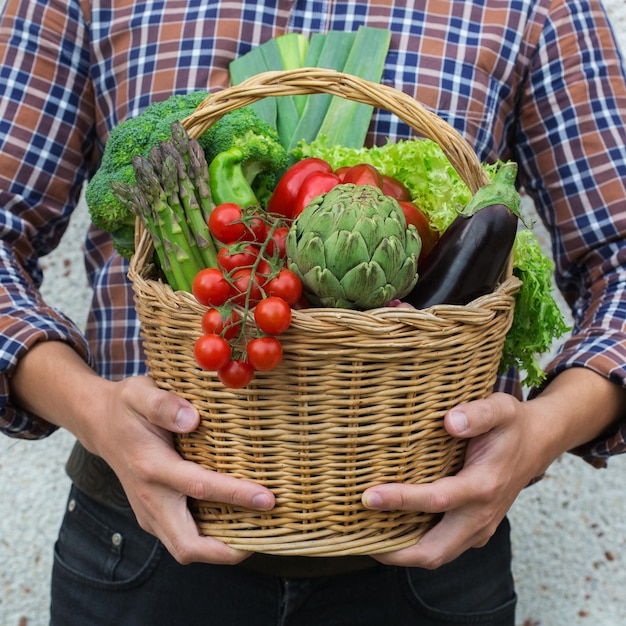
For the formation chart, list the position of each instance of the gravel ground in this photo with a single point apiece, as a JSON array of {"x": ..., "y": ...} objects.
[{"x": 569, "y": 531}]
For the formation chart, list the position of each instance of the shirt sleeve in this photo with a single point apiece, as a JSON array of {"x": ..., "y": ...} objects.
[
  {"x": 46, "y": 120},
  {"x": 572, "y": 142}
]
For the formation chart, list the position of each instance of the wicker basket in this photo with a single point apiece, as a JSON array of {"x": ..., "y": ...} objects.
[{"x": 359, "y": 397}]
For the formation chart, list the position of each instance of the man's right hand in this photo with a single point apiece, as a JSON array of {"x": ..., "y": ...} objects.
[{"x": 130, "y": 424}]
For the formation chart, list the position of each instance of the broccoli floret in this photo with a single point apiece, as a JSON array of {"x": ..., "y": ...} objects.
[
  {"x": 134, "y": 136},
  {"x": 107, "y": 212},
  {"x": 253, "y": 144}
]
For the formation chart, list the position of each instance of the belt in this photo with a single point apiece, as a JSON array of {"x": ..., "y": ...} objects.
[{"x": 95, "y": 478}]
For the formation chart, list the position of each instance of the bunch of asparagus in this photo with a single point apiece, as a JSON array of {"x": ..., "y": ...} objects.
[{"x": 173, "y": 200}]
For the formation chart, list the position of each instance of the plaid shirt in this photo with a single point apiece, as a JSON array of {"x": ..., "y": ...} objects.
[{"x": 537, "y": 81}]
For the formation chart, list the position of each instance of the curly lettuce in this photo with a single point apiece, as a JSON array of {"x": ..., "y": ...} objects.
[{"x": 538, "y": 320}]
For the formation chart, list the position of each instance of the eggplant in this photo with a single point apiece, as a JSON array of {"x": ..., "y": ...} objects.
[{"x": 468, "y": 260}]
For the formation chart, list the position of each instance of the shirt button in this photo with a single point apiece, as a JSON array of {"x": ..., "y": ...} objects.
[
  {"x": 116, "y": 539},
  {"x": 71, "y": 505}
]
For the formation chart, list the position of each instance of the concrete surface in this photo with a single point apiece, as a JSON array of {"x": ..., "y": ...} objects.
[{"x": 569, "y": 531}]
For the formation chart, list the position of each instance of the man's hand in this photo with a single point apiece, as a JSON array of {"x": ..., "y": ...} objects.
[
  {"x": 510, "y": 444},
  {"x": 138, "y": 444},
  {"x": 130, "y": 424}
]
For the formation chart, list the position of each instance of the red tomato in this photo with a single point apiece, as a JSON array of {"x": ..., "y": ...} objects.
[
  {"x": 264, "y": 353},
  {"x": 276, "y": 245},
  {"x": 211, "y": 352},
  {"x": 314, "y": 185},
  {"x": 246, "y": 285},
  {"x": 272, "y": 315},
  {"x": 225, "y": 222},
  {"x": 214, "y": 323},
  {"x": 256, "y": 229},
  {"x": 285, "y": 285},
  {"x": 210, "y": 287},
  {"x": 262, "y": 270},
  {"x": 364, "y": 174},
  {"x": 230, "y": 261},
  {"x": 394, "y": 188},
  {"x": 235, "y": 374},
  {"x": 421, "y": 221}
]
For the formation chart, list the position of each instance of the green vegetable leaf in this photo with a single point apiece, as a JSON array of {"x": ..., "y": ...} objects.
[{"x": 538, "y": 320}]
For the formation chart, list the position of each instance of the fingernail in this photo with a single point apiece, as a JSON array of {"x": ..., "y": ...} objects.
[
  {"x": 458, "y": 421},
  {"x": 262, "y": 501},
  {"x": 372, "y": 500},
  {"x": 185, "y": 418}
]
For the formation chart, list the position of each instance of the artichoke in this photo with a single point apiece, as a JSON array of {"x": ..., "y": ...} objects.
[{"x": 352, "y": 249}]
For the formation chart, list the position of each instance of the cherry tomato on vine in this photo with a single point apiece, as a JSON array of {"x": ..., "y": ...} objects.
[
  {"x": 225, "y": 222},
  {"x": 245, "y": 282},
  {"x": 262, "y": 270},
  {"x": 214, "y": 323},
  {"x": 272, "y": 315},
  {"x": 210, "y": 287},
  {"x": 211, "y": 352},
  {"x": 236, "y": 374},
  {"x": 264, "y": 353},
  {"x": 230, "y": 261},
  {"x": 276, "y": 245},
  {"x": 256, "y": 229},
  {"x": 286, "y": 285}
]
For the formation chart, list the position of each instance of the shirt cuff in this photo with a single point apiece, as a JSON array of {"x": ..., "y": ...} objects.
[
  {"x": 19, "y": 336},
  {"x": 604, "y": 353}
]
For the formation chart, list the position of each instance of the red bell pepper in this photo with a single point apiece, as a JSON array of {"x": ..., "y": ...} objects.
[
  {"x": 340, "y": 171},
  {"x": 314, "y": 185},
  {"x": 363, "y": 174},
  {"x": 282, "y": 201}
]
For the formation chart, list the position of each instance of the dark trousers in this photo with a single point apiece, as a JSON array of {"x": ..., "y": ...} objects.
[{"x": 108, "y": 571}]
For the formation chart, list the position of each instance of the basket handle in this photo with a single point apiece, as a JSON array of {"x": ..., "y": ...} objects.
[{"x": 304, "y": 81}]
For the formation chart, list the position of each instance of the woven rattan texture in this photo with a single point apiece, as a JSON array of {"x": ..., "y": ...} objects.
[{"x": 359, "y": 397}]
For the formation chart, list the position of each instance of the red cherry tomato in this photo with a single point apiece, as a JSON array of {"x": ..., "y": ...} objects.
[
  {"x": 421, "y": 221},
  {"x": 314, "y": 185},
  {"x": 225, "y": 222},
  {"x": 285, "y": 285},
  {"x": 394, "y": 188},
  {"x": 229, "y": 260},
  {"x": 276, "y": 245},
  {"x": 284, "y": 195},
  {"x": 262, "y": 270},
  {"x": 214, "y": 323},
  {"x": 244, "y": 283},
  {"x": 210, "y": 287},
  {"x": 272, "y": 315},
  {"x": 236, "y": 374},
  {"x": 256, "y": 229},
  {"x": 264, "y": 353},
  {"x": 211, "y": 352},
  {"x": 363, "y": 174}
]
